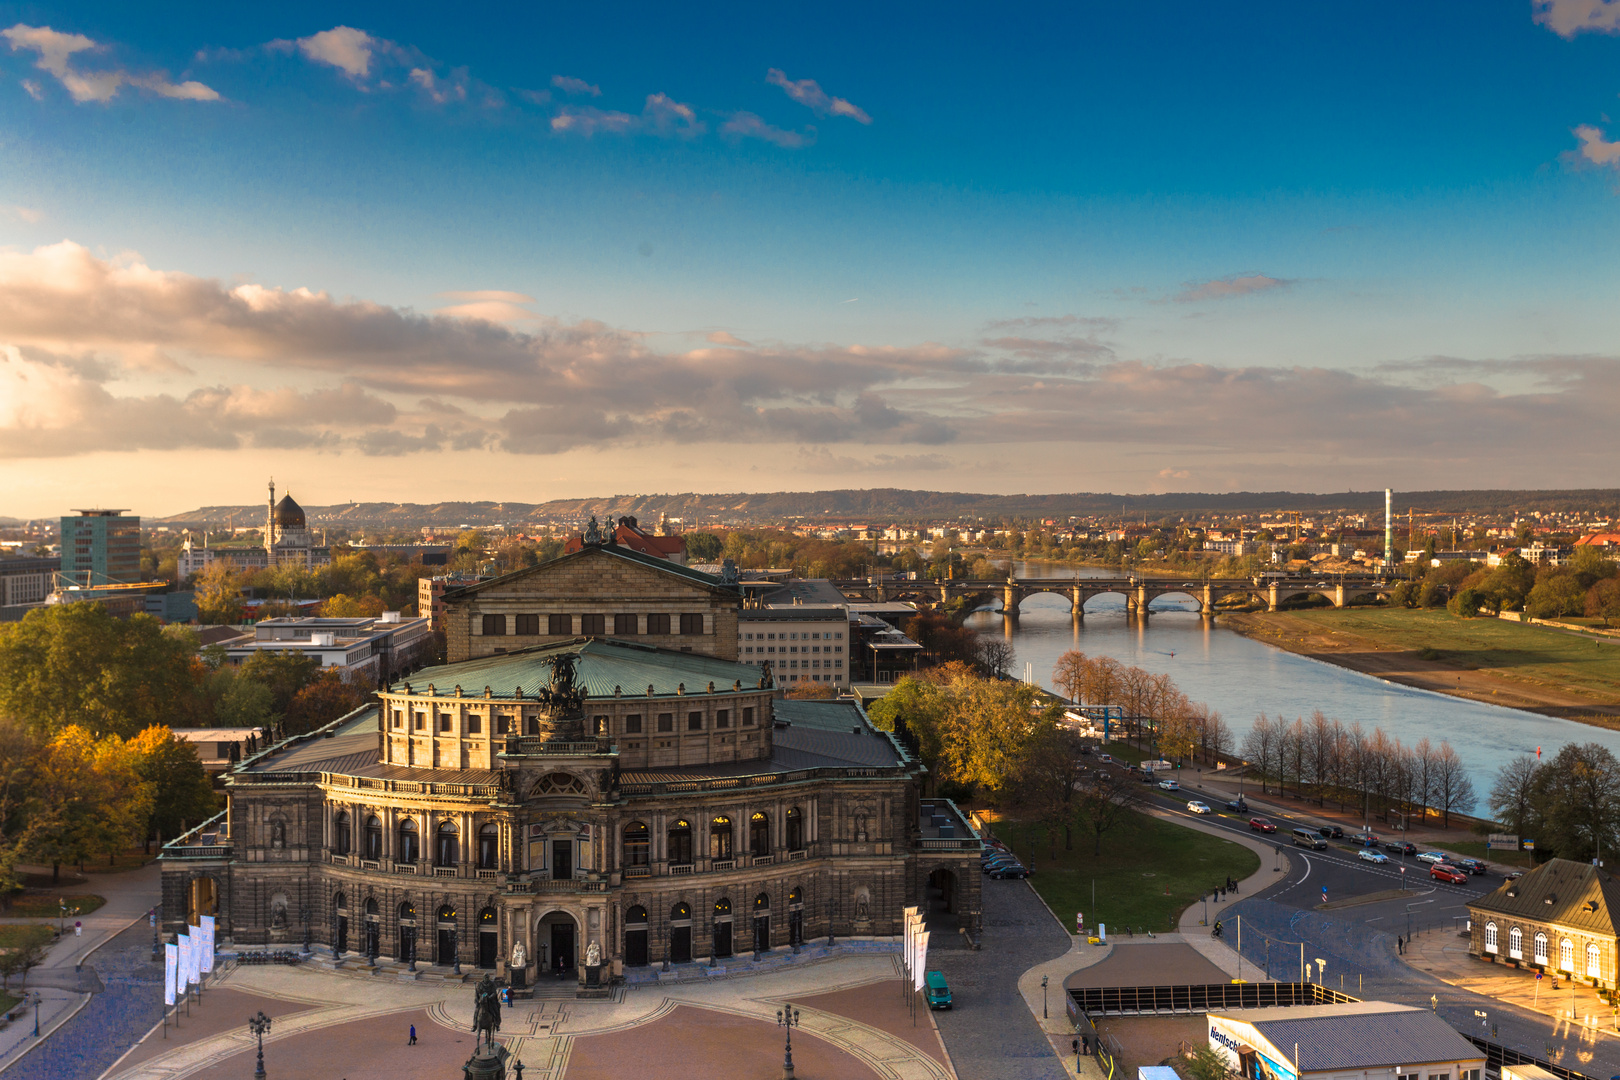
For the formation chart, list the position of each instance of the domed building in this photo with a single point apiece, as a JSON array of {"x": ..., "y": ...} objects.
[
  {"x": 287, "y": 538},
  {"x": 639, "y": 791}
]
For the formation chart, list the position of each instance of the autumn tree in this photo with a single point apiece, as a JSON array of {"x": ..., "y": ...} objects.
[
  {"x": 218, "y": 592},
  {"x": 182, "y": 794},
  {"x": 86, "y": 800}
]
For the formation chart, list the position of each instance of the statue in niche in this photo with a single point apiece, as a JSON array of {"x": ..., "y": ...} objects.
[
  {"x": 593, "y": 955},
  {"x": 863, "y": 905},
  {"x": 520, "y": 958},
  {"x": 278, "y": 912},
  {"x": 858, "y": 828},
  {"x": 278, "y": 834}
]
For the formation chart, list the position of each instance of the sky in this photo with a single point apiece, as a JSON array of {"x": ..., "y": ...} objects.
[{"x": 393, "y": 252}]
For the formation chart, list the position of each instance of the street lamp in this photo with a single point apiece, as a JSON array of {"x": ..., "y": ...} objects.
[
  {"x": 1044, "y": 1014},
  {"x": 1321, "y": 969},
  {"x": 157, "y": 945},
  {"x": 303, "y": 917},
  {"x": 258, "y": 1025},
  {"x": 787, "y": 1018},
  {"x": 455, "y": 951}
]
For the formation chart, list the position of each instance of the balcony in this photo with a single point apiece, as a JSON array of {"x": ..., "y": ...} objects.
[
  {"x": 445, "y": 871},
  {"x": 793, "y": 856},
  {"x": 677, "y": 869},
  {"x": 406, "y": 868},
  {"x": 487, "y": 875},
  {"x": 763, "y": 860},
  {"x": 723, "y": 864},
  {"x": 551, "y": 886},
  {"x": 637, "y": 871}
]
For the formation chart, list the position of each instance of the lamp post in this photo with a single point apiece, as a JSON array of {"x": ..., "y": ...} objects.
[
  {"x": 303, "y": 917},
  {"x": 1044, "y": 1015},
  {"x": 155, "y": 916},
  {"x": 1321, "y": 968},
  {"x": 455, "y": 951},
  {"x": 258, "y": 1025},
  {"x": 787, "y": 1018}
]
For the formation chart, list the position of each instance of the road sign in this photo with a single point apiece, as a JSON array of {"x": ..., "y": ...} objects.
[
  {"x": 1502, "y": 842},
  {"x": 1528, "y": 845}
]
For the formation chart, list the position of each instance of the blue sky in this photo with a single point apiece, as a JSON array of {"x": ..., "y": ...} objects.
[{"x": 543, "y": 251}]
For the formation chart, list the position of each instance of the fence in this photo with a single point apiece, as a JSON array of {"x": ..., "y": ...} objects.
[
  {"x": 1497, "y": 1055},
  {"x": 1136, "y": 1000}
]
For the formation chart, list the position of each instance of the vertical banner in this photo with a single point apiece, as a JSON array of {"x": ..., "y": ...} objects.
[
  {"x": 171, "y": 967},
  {"x": 196, "y": 953},
  {"x": 922, "y": 960},
  {"x": 183, "y": 971},
  {"x": 208, "y": 943}
]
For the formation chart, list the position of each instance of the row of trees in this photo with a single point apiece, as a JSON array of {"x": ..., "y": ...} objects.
[
  {"x": 76, "y": 665},
  {"x": 1184, "y": 728},
  {"x": 1322, "y": 759},
  {"x": 1569, "y": 804},
  {"x": 1589, "y": 585}
]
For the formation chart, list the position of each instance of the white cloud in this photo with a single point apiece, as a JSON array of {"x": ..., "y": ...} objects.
[
  {"x": 343, "y": 47},
  {"x": 570, "y": 85},
  {"x": 56, "y": 52},
  {"x": 1595, "y": 148},
  {"x": 808, "y": 92},
  {"x": 33, "y": 89},
  {"x": 746, "y": 125},
  {"x": 662, "y": 115},
  {"x": 1566, "y": 18},
  {"x": 1229, "y": 287},
  {"x": 23, "y": 213}
]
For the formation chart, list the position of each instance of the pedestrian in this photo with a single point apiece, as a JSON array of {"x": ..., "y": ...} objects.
[
  {"x": 413, "y": 1036},
  {"x": 1085, "y": 1044},
  {"x": 1400, "y": 946}
]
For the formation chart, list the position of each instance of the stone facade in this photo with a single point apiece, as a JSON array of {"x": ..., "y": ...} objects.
[{"x": 1557, "y": 918}]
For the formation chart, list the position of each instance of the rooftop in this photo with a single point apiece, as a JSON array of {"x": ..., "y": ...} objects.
[
  {"x": 1573, "y": 894},
  {"x": 605, "y": 665},
  {"x": 1358, "y": 1034},
  {"x": 794, "y": 613}
]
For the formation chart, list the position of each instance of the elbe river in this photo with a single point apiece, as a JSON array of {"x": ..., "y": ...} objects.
[{"x": 1241, "y": 678}]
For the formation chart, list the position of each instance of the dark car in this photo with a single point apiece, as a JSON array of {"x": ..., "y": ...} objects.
[
  {"x": 1260, "y": 824},
  {"x": 1449, "y": 874},
  {"x": 1238, "y": 806},
  {"x": 1009, "y": 870},
  {"x": 1331, "y": 832},
  {"x": 1473, "y": 866},
  {"x": 1400, "y": 847},
  {"x": 991, "y": 865},
  {"x": 1369, "y": 839}
]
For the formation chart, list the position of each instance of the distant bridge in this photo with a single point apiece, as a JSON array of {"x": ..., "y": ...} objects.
[{"x": 1138, "y": 592}]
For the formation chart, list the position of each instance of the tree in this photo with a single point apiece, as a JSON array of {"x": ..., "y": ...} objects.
[
  {"x": 343, "y": 606},
  {"x": 1260, "y": 748},
  {"x": 1577, "y": 797},
  {"x": 325, "y": 698},
  {"x": 1453, "y": 790},
  {"x": 86, "y": 800},
  {"x": 1554, "y": 594},
  {"x": 285, "y": 673},
  {"x": 1104, "y": 798},
  {"x": 1466, "y": 603},
  {"x": 244, "y": 703},
  {"x": 27, "y": 950},
  {"x": 1053, "y": 766},
  {"x": 1069, "y": 675},
  {"x": 1512, "y": 799},
  {"x": 1206, "y": 1063},
  {"x": 1603, "y": 601},
  {"x": 812, "y": 691},
  {"x": 182, "y": 794},
  {"x": 995, "y": 655},
  {"x": 703, "y": 547},
  {"x": 218, "y": 592}
]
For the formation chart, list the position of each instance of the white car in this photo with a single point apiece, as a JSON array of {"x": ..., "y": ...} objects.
[
  {"x": 1197, "y": 807},
  {"x": 1369, "y": 855},
  {"x": 1432, "y": 856},
  {"x": 1169, "y": 785}
]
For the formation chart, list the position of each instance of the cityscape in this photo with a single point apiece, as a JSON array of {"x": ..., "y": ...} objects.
[{"x": 950, "y": 544}]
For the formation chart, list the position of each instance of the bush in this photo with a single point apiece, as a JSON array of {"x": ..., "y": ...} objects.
[{"x": 1466, "y": 604}]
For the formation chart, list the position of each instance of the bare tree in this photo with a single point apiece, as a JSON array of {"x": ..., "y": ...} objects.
[
  {"x": 995, "y": 655},
  {"x": 1260, "y": 748},
  {"x": 1452, "y": 788},
  {"x": 1103, "y": 799},
  {"x": 1512, "y": 799},
  {"x": 1069, "y": 675},
  {"x": 1319, "y": 738},
  {"x": 1423, "y": 777}
]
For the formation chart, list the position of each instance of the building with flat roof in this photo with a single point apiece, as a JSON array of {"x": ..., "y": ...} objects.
[
  {"x": 101, "y": 547},
  {"x": 25, "y": 580},
  {"x": 802, "y": 643},
  {"x": 366, "y": 651},
  {"x": 1371, "y": 1040}
]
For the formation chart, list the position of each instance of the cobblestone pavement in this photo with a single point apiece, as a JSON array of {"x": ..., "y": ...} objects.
[
  {"x": 990, "y": 1032},
  {"x": 125, "y": 1008},
  {"x": 1352, "y": 948}
]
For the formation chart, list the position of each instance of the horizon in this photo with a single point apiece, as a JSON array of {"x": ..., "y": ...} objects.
[{"x": 388, "y": 257}]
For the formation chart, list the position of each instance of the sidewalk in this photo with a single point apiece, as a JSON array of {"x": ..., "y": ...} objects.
[{"x": 1445, "y": 956}]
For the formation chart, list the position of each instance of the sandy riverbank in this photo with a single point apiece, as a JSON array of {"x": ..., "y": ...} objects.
[{"x": 1404, "y": 666}]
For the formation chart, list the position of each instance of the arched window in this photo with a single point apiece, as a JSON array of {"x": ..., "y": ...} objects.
[
  {"x": 637, "y": 844},
  {"x": 762, "y": 902},
  {"x": 636, "y": 916},
  {"x": 1490, "y": 937},
  {"x": 759, "y": 834},
  {"x": 1541, "y": 948},
  {"x": 795, "y": 830},
  {"x": 1566, "y": 955},
  {"x": 448, "y": 845},
  {"x": 1515, "y": 944},
  {"x": 489, "y": 847},
  {"x": 407, "y": 910},
  {"x": 635, "y": 937},
  {"x": 447, "y": 913},
  {"x": 1594, "y": 962},
  {"x": 409, "y": 842},
  {"x": 340, "y": 902},
  {"x": 340, "y": 833},
  {"x": 679, "y": 912},
  {"x": 720, "y": 838},
  {"x": 371, "y": 906},
  {"x": 795, "y": 897},
  {"x": 486, "y": 918},
  {"x": 373, "y": 838},
  {"x": 722, "y": 906},
  {"x": 680, "y": 842}
]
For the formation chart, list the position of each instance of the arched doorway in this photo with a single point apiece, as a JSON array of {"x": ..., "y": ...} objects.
[
  {"x": 635, "y": 937},
  {"x": 202, "y": 898},
  {"x": 941, "y": 894},
  {"x": 762, "y": 923},
  {"x": 555, "y": 938},
  {"x": 407, "y": 932},
  {"x": 340, "y": 929},
  {"x": 489, "y": 938},
  {"x": 722, "y": 928},
  {"x": 680, "y": 934},
  {"x": 796, "y": 918},
  {"x": 373, "y": 928},
  {"x": 447, "y": 936}
]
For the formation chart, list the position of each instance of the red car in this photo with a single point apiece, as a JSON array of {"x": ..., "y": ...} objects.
[
  {"x": 1449, "y": 874},
  {"x": 1260, "y": 824}
]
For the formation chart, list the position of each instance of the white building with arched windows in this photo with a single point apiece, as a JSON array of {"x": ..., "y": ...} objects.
[{"x": 1557, "y": 918}]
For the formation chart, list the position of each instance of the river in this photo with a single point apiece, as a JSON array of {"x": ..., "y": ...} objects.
[{"x": 1241, "y": 677}]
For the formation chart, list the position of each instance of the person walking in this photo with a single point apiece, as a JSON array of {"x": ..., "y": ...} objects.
[
  {"x": 1400, "y": 946},
  {"x": 413, "y": 1036}
]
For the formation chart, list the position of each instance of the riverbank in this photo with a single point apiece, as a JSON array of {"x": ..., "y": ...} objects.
[{"x": 1489, "y": 660}]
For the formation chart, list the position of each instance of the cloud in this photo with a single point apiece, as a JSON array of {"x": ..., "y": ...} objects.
[
  {"x": 1595, "y": 149},
  {"x": 1033, "y": 322},
  {"x": 494, "y": 305},
  {"x": 721, "y": 337},
  {"x": 808, "y": 92},
  {"x": 1175, "y": 474},
  {"x": 56, "y": 52},
  {"x": 745, "y": 125},
  {"x": 570, "y": 85},
  {"x": 345, "y": 48},
  {"x": 662, "y": 115},
  {"x": 1566, "y": 18},
  {"x": 23, "y": 213},
  {"x": 1227, "y": 288}
]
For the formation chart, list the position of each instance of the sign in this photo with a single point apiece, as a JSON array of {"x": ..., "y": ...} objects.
[
  {"x": 1502, "y": 842},
  {"x": 922, "y": 960},
  {"x": 196, "y": 953},
  {"x": 1528, "y": 845},
  {"x": 208, "y": 943},
  {"x": 182, "y": 974},
  {"x": 171, "y": 966}
]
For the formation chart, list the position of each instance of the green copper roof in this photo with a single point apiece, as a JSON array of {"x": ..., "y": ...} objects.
[
  {"x": 603, "y": 665},
  {"x": 615, "y": 550}
]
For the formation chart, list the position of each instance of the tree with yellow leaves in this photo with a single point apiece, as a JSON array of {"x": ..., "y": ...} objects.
[{"x": 87, "y": 799}]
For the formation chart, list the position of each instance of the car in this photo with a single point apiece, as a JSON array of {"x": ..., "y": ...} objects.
[
  {"x": 1473, "y": 866},
  {"x": 1513, "y": 875},
  {"x": 1370, "y": 840},
  {"x": 999, "y": 861},
  {"x": 1260, "y": 824},
  {"x": 1011, "y": 870},
  {"x": 1331, "y": 832},
  {"x": 1433, "y": 857},
  {"x": 938, "y": 993},
  {"x": 1307, "y": 838},
  {"x": 1449, "y": 874},
  {"x": 1170, "y": 785},
  {"x": 1238, "y": 806},
  {"x": 1188, "y": 585},
  {"x": 1372, "y": 855},
  {"x": 1400, "y": 847},
  {"x": 1106, "y": 759},
  {"x": 1197, "y": 807}
]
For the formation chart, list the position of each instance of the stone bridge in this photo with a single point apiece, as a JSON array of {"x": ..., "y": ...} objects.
[{"x": 1139, "y": 593}]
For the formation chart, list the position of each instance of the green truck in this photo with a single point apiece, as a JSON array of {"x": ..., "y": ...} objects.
[{"x": 939, "y": 995}]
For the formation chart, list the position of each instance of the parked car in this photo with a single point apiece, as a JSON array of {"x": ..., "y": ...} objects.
[
  {"x": 1307, "y": 838},
  {"x": 939, "y": 994},
  {"x": 1370, "y": 840},
  {"x": 1238, "y": 806},
  {"x": 1197, "y": 807},
  {"x": 1106, "y": 759},
  {"x": 1372, "y": 855},
  {"x": 1473, "y": 866},
  {"x": 1010, "y": 870},
  {"x": 1000, "y": 860},
  {"x": 1434, "y": 857},
  {"x": 1400, "y": 847},
  {"x": 1331, "y": 832},
  {"x": 1449, "y": 874},
  {"x": 1260, "y": 824},
  {"x": 1170, "y": 785}
]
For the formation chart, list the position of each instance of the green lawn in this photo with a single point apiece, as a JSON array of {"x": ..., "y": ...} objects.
[
  {"x": 41, "y": 904},
  {"x": 1510, "y": 648},
  {"x": 22, "y": 936},
  {"x": 1148, "y": 873}
]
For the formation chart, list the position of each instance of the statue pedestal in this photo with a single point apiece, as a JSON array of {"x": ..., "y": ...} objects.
[
  {"x": 486, "y": 1066},
  {"x": 593, "y": 975},
  {"x": 593, "y": 986}
]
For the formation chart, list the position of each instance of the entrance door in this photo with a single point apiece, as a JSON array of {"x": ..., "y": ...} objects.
[
  {"x": 762, "y": 933},
  {"x": 722, "y": 939},
  {"x": 562, "y": 946},
  {"x": 562, "y": 861},
  {"x": 407, "y": 944},
  {"x": 795, "y": 928},
  {"x": 488, "y": 947},
  {"x": 680, "y": 945},
  {"x": 342, "y": 934},
  {"x": 635, "y": 948},
  {"x": 447, "y": 946}
]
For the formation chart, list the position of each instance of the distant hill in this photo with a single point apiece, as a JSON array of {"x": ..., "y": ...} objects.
[{"x": 902, "y": 505}]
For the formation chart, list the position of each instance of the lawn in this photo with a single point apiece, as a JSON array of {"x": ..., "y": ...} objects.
[
  {"x": 23, "y": 936},
  {"x": 1149, "y": 871},
  {"x": 41, "y": 904},
  {"x": 1508, "y": 648}
]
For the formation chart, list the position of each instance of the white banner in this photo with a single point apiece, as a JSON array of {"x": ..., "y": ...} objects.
[
  {"x": 208, "y": 943},
  {"x": 922, "y": 960},
  {"x": 182, "y": 975},
  {"x": 171, "y": 967},
  {"x": 196, "y": 954}
]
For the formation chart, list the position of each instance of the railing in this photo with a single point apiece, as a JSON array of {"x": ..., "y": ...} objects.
[
  {"x": 960, "y": 843},
  {"x": 677, "y": 869},
  {"x": 684, "y": 787},
  {"x": 487, "y": 875},
  {"x": 799, "y": 854},
  {"x": 550, "y": 885},
  {"x": 370, "y": 864},
  {"x": 723, "y": 864},
  {"x": 339, "y": 860},
  {"x": 533, "y": 744},
  {"x": 405, "y": 868},
  {"x": 1497, "y": 1056},
  {"x": 445, "y": 871},
  {"x": 637, "y": 871},
  {"x": 182, "y": 846},
  {"x": 764, "y": 860},
  {"x": 1136, "y": 1000}
]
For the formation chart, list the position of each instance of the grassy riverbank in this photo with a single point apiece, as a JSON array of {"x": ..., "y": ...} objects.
[{"x": 1506, "y": 663}]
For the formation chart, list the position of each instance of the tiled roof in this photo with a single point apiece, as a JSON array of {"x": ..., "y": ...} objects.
[
  {"x": 1573, "y": 894},
  {"x": 1358, "y": 1035},
  {"x": 618, "y": 551},
  {"x": 603, "y": 665}
]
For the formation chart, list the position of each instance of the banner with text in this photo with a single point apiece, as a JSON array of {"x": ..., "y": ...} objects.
[{"x": 171, "y": 967}]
